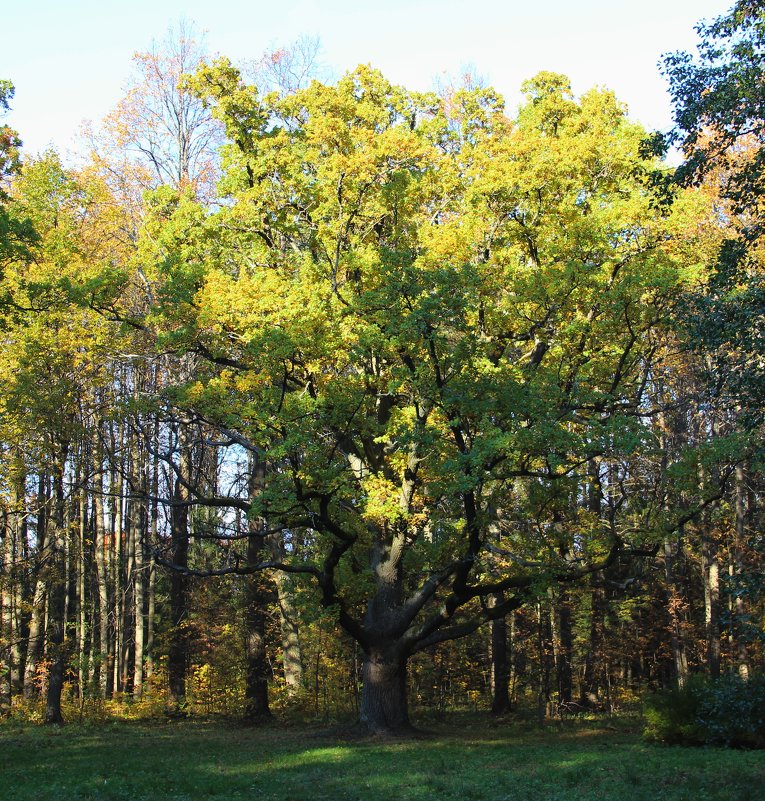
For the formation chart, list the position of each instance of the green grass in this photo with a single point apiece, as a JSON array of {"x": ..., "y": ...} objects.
[{"x": 472, "y": 760}]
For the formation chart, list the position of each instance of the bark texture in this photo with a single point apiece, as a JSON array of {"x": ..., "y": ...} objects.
[{"x": 384, "y": 708}]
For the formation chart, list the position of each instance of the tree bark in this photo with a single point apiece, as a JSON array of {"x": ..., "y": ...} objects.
[
  {"x": 544, "y": 655},
  {"x": 742, "y": 512},
  {"x": 115, "y": 559},
  {"x": 56, "y": 629},
  {"x": 710, "y": 570},
  {"x": 384, "y": 705},
  {"x": 152, "y": 565},
  {"x": 35, "y": 641},
  {"x": 565, "y": 649},
  {"x": 178, "y": 652},
  {"x": 137, "y": 521},
  {"x": 590, "y": 691},
  {"x": 676, "y": 611},
  {"x": 57, "y": 603},
  {"x": 500, "y": 674},
  {"x": 257, "y": 596},
  {"x": 139, "y": 601},
  {"x": 83, "y": 557},
  {"x": 102, "y": 575},
  {"x": 292, "y": 655},
  {"x": 178, "y": 649},
  {"x": 14, "y": 536}
]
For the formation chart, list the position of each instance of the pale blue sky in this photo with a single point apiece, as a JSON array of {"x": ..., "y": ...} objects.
[{"x": 70, "y": 60}]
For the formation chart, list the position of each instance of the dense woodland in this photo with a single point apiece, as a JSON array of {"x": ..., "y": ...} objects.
[{"x": 351, "y": 400}]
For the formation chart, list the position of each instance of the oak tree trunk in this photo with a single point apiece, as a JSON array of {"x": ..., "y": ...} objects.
[{"x": 384, "y": 708}]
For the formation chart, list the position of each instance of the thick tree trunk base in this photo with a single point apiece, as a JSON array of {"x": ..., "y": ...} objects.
[
  {"x": 384, "y": 709},
  {"x": 501, "y": 706},
  {"x": 256, "y": 709}
]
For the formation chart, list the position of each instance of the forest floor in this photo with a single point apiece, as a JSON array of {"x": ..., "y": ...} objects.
[{"x": 470, "y": 759}]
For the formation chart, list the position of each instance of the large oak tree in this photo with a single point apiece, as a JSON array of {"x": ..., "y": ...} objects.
[{"x": 432, "y": 326}]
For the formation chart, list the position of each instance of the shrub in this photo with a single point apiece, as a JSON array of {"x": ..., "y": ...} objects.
[
  {"x": 724, "y": 711},
  {"x": 671, "y": 716},
  {"x": 732, "y": 711}
]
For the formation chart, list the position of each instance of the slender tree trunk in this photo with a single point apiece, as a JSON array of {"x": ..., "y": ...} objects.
[
  {"x": 115, "y": 559},
  {"x": 101, "y": 536},
  {"x": 57, "y": 593},
  {"x": 742, "y": 512},
  {"x": 5, "y": 581},
  {"x": 14, "y": 536},
  {"x": 710, "y": 569},
  {"x": 676, "y": 610},
  {"x": 292, "y": 656},
  {"x": 513, "y": 659},
  {"x": 7, "y": 634},
  {"x": 150, "y": 614},
  {"x": 21, "y": 534},
  {"x": 128, "y": 624},
  {"x": 257, "y": 596},
  {"x": 500, "y": 700},
  {"x": 565, "y": 649},
  {"x": 140, "y": 622},
  {"x": 590, "y": 692},
  {"x": 152, "y": 566},
  {"x": 56, "y": 640},
  {"x": 178, "y": 652},
  {"x": 102, "y": 586},
  {"x": 710, "y": 573},
  {"x": 36, "y": 639},
  {"x": 83, "y": 668},
  {"x": 139, "y": 598},
  {"x": 545, "y": 653}
]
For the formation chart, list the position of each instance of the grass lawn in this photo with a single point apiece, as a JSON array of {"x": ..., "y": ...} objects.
[{"x": 462, "y": 760}]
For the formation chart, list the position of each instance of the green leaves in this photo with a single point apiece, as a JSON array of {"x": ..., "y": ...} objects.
[
  {"x": 720, "y": 124},
  {"x": 484, "y": 309}
]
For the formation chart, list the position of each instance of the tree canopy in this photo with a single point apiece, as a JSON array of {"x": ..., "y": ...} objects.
[
  {"x": 430, "y": 322},
  {"x": 720, "y": 124},
  {"x": 411, "y": 367}
]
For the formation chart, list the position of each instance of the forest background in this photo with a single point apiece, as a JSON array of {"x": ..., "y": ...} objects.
[{"x": 337, "y": 397}]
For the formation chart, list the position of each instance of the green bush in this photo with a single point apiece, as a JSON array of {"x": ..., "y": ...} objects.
[
  {"x": 724, "y": 711},
  {"x": 671, "y": 716}
]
